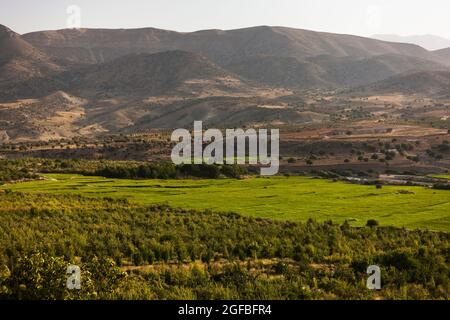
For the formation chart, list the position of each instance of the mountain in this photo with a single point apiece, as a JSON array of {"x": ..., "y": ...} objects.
[
  {"x": 443, "y": 53},
  {"x": 106, "y": 61},
  {"x": 327, "y": 71},
  {"x": 431, "y": 84},
  {"x": 51, "y": 117},
  {"x": 19, "y": 60},
  {"x": 170, "y": 73},
  {"x": 273, "y": 56},
  {"x": 350, "y": 72},
  {"x": 129, "y": 93},
  {"x": 223, "y": 47},
  {"x": 429, "y": 42},
  {"x": 66, "y": 83},
  {"x": 281, "y": 72}
]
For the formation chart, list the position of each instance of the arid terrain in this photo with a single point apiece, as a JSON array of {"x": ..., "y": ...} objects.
[{"x": 91, "y": 82}]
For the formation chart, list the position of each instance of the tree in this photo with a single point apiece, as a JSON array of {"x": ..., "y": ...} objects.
[
  {"x": 40, "y": 276},
  {"x": 372, "y": 223}
]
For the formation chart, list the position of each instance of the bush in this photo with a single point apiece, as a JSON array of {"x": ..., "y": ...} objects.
[
  {"x": 441, "y": 186},
  {"x": 372, "y": 223},
  {"x": 292, "y": 160}
]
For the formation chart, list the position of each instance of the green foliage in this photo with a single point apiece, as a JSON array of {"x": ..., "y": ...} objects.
[
  {"x": 189, "y": 254},
  {"x": 170, "y": 253},
  {"x": 292, "y": 160},
  {"x": 372, "y": 223},
  {"x": 287, "y": 199},
  {"x": 26, "y": 168},
  {"x": 40, "y": 276},
  {"x": 441, "y": 186},
  {"x": 143, "y": 171},
  {"x": 14, "y": 170},
  {"x": 167, "y": 170}
]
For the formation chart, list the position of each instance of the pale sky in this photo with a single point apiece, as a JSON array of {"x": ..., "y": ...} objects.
[{"x": 359, "y": 17}]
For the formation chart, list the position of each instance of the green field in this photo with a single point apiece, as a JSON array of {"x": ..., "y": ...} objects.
[
  {"x": 442, "y": 176},
  {"x": 282, "y": 198}
]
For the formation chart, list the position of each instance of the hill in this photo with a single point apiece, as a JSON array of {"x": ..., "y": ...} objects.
[
  {"x": 19, "y": 60},
  {"x": 275, "y": 56},
  {"x": 171, "y": 72},
  {"x": 98, "y": 45},
  {"x": 51, "y": 117},
  {"x": 133, "y": 92},
  {"x": 327, "y": 71},
  {"x": 64, "y": 83},
  {"x": 432, "y": 84},
  {"x": 443, "y": 53}
]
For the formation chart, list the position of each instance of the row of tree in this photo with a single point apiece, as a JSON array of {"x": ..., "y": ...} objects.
[{"x": 28, "y": 168}]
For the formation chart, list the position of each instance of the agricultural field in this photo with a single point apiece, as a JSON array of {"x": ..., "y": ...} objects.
[
  {"x": 294, "y": 198},
  {"x": 132, "y": 251},
  {"x": 443, "y": 176}
]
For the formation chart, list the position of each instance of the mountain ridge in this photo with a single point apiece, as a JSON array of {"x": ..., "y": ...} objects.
[
  {"x": 274, "y": 56},
  {"x": 222, "y": 46},
  {"x": 91, "y": 81},
  {"x": 19, "y": 60}
]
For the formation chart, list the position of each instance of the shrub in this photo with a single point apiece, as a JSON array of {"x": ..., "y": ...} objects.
[{"x": 372, "y": 223}]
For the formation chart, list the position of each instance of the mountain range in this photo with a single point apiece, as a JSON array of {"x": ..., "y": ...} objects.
[
  {"x": 273, "y": 56},
  {"x": 88, "y": 81}
]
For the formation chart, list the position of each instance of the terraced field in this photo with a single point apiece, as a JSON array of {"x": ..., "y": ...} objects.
[
  {"x": 443, "y": 176},
  {"x": 281, "y": 198}
]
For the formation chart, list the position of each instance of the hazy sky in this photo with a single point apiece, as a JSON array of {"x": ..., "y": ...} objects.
[{"x": 360, "y": 17}]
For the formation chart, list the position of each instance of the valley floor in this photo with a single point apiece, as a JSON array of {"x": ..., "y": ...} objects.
[{"x": 291, "y": 198}]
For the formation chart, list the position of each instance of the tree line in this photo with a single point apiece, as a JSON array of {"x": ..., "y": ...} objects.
[{"x": 29, "y": 168}]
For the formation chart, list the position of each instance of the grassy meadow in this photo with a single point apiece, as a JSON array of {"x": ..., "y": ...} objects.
[{"x": 281, "y": 198}]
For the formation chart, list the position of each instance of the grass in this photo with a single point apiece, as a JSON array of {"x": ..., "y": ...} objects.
[
  {"x": 442, "y": 176},
  {"x": 281, "y": 198}
]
